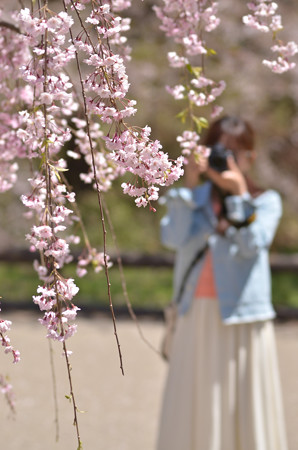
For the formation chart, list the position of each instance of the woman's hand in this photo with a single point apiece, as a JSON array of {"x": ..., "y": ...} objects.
[
  {"x": 231, "y": 180},
  {"x": 222, "y": 225},
  {"x": 194, "y": 169}
]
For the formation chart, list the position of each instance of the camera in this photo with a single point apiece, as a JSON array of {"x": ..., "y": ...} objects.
[{"x": 218, "y": 157}]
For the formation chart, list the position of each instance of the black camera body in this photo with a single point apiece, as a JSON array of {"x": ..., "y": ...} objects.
[{"x": 218, "y": 157}]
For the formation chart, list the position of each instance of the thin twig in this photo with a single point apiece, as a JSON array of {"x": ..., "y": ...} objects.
[
  {"x": 123, "y": 281},
  {"x": 54, "y": 390},
  {"x": 75, "y": 409},
  {"x": 12, "y": 27},
  {"x": 98, "y": 192},
  {"x": 78, "y": 213},
  {"x": 49, "y": 207},
  {"x": 72, "y": 397}
]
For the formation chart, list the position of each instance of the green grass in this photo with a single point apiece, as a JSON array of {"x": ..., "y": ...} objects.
[
  {"x": 147, "y": 287},
  {"x": 285, "y": 289}
]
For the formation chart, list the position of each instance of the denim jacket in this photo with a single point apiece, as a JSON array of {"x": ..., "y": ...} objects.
[{"x": 240, "y": 257}]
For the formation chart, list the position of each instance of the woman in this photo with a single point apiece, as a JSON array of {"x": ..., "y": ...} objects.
[{"x": 222, "y": 391}]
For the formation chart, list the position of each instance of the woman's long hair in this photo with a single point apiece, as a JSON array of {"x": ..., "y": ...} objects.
[
  {"x": 241, "y": 133},
  {"x": 240, "y": 130}
]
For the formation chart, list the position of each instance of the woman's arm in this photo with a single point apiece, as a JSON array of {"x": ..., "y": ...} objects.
[
  {"x": 260, "y": 233},
  {"x": 231, "y": 181},
  {"x": 193, "y": 170},
  {"x": 176, "y": 224},
  {"x": 181, "y": 205}
]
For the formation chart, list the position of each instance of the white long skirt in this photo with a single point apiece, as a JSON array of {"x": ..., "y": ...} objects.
[{"x": 223, "y": 389}]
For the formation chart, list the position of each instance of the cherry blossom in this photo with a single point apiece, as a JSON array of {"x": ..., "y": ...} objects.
[
  {"x": 189, "y": 143},
  {"x": 106, "y": 86},
  {"x": 7, "y": 390},
  {"x": 265, "y": 19},
  {"x": 44, "y": 112},
  {"x": 187, "y": 24},
  {"x": 45, "y": 132},
  {"x": 5, "y": 341},
  {"x": 98, "y": 260},
  {"x": 13, "y": 54}
]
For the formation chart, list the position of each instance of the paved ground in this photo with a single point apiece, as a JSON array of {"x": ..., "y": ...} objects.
[{"x": 121, "y": 412}]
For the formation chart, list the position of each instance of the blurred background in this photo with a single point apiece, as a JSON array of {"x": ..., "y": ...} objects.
[
  {"x": 268, "y": 100},
  {"x": 122, "y": 412}
]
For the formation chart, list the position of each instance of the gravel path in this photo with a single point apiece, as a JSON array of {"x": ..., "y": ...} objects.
[{"x": 121, "y": 411}]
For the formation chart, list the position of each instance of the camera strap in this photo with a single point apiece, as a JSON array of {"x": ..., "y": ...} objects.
[{"x": 197, "y": 257}]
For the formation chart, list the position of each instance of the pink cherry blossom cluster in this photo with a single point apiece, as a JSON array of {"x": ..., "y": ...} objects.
[
  {"x": 187, "y": 23},
  {"x": 106, "y": 170},
  {"x": 97, "y": 259},
  {"x": 7, "y": 390},
  {"x": 189, "y": 144},
  {"x": 106, "y": 86},
  {"x": 52, "y": 91},
  {"x": 184, "y": 20},
  {"x": 13, "y": 54},
  {"x": 59, "y": 325},
  {"x": 45, "y": 132},
  {"x": 136, "y": 153},
  {"x": 5, "y": 341},
  {"x": 263, "y": 18},
  {"x": 117, "y": 5},
  {"x": 5, "y": 387},
  {"x": 56, "y": 294},
  {"x": 44, "y": 237}
]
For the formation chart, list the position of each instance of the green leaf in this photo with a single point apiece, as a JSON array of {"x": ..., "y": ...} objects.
[
  {"x": 200, "y": 122},
  {"x": 59, "y": 169},
  {"x": 194, "y": 70},
  {"x": 44, "y": 143},
  {"x": 81, "y": 411},
  {"x": 189, "y": 67},
  {"x": 182, "y": 115},
  {"x": 56, "y": 170},
  {"x": 211, "y": 52},
  {"x": 204, "y": 122},
  {"x": 197, "y": 71}
]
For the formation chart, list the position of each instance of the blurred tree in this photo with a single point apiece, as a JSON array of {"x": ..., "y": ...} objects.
[{"x": 269, "y": 101}]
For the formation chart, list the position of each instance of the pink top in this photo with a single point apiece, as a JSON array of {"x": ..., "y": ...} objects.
[{"x": 206, "y": 284}]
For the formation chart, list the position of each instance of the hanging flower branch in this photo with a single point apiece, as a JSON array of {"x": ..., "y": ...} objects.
[
  {"x": 263, "y": 18},
  {"x": 5, "y": 387},
  {"x": 188, "y": 23},
  {"x": 105, "y": 88},
  {"x": 5, "y": 341},
  {"x": 42, "y": 109},
  {"x": 13, "y": 54},
  {"x": 42, "y": 130},
  {"x": 45, "y": 133},
  {"x": 7, "y": 391}
]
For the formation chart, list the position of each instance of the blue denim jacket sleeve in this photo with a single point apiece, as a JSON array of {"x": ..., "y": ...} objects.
[
  {"x": 239, "y": 207},
  {"x": 241, "y": 265},
  {"x": 176, "y": 224},
  {"x": 260, "y": 233}
]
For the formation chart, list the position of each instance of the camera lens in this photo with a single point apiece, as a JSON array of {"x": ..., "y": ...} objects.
[{"x": 218, "y": 157}]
